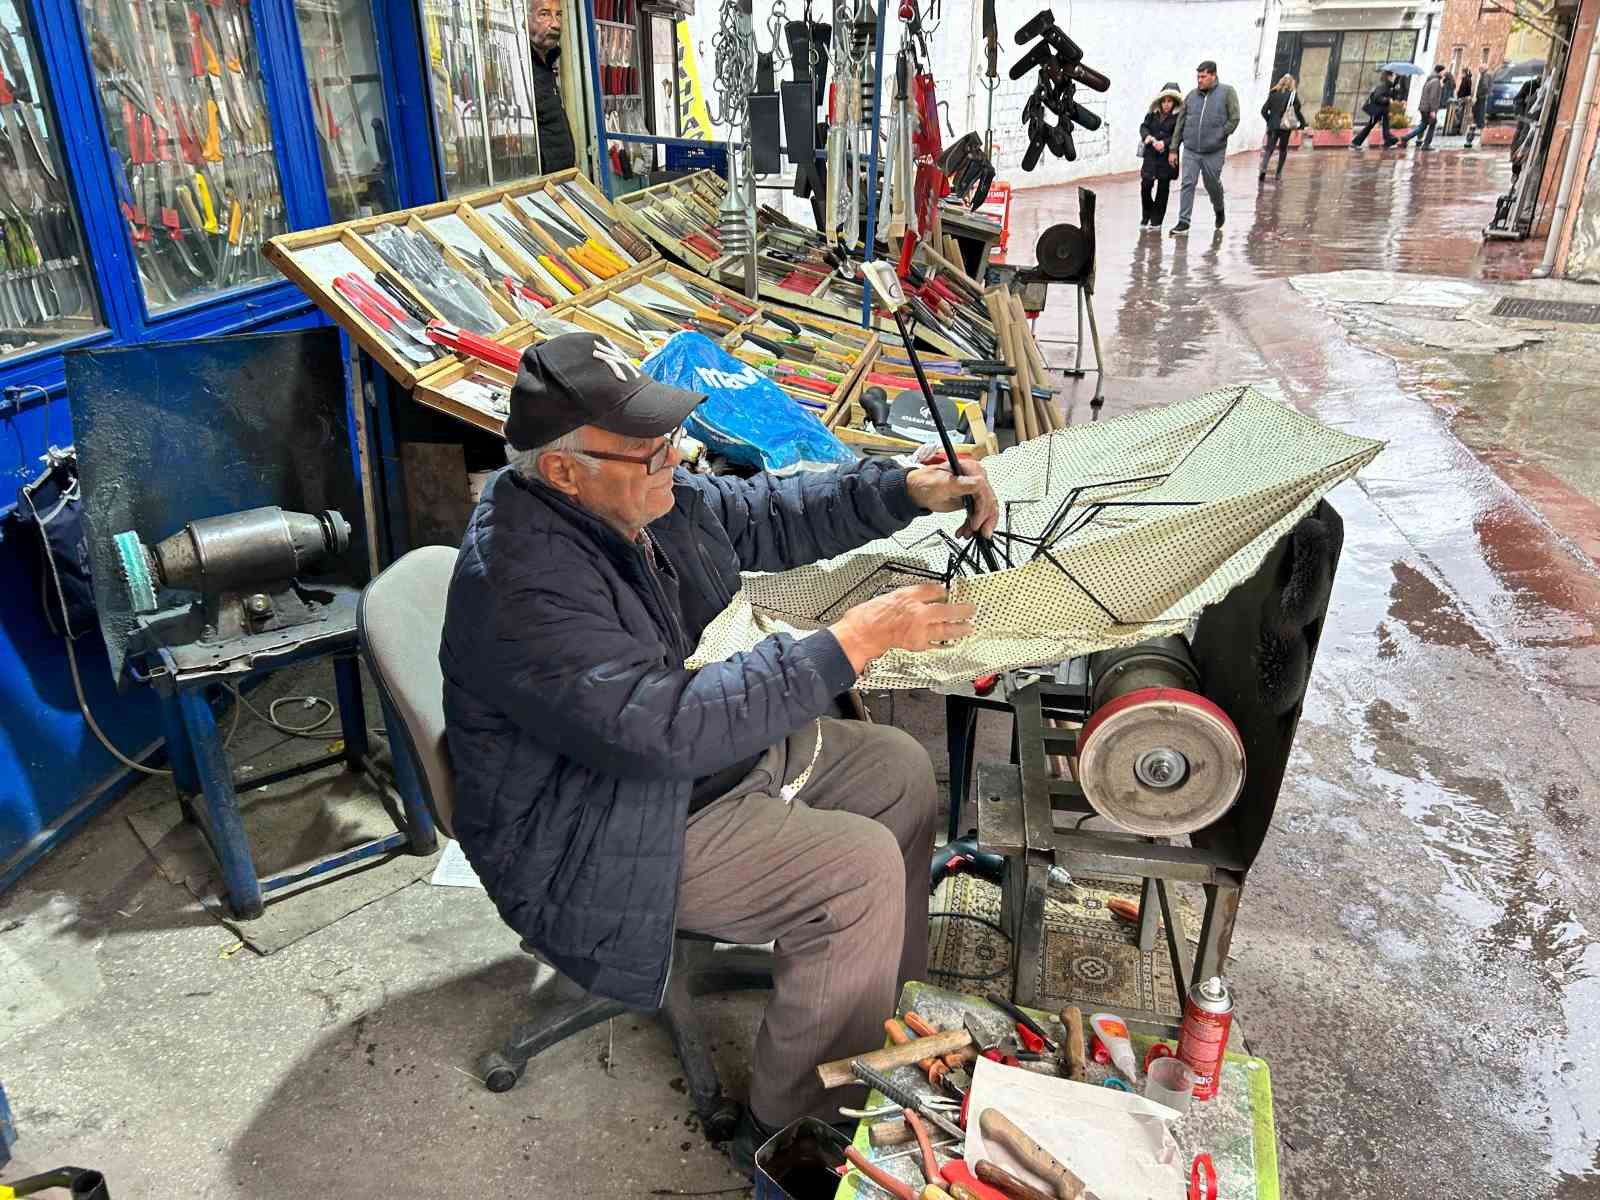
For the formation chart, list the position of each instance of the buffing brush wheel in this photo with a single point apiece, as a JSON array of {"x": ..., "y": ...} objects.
[{"x": 1160, "y": 761}]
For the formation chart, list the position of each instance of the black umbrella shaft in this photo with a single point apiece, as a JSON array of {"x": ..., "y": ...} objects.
[{"x": 984, "y": 545}]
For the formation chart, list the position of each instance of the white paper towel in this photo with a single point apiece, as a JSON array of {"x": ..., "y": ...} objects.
[{"x": 1116, "y": 1142}]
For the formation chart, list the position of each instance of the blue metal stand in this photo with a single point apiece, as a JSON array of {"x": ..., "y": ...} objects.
[{"x": 200, "y": 766}]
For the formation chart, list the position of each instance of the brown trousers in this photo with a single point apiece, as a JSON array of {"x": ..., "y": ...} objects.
[{"x": 838, "y": 879}]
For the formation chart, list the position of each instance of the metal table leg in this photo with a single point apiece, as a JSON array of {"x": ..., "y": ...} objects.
[
  {"x": 180, "y": 755},
  {"x": 1216, "y": 931},
  {"x": 1148, "y": 919},
  {"x": 223, "y": 824},
  {"x": 352, "y": 712},
  {"x": 961, "y": 730}
]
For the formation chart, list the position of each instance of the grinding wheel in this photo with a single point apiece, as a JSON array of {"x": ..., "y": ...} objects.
[
  {"x": 1160, "y": 762},
  {"x": 1064, "y": 252},
  {"x": 135, "y": 569}
]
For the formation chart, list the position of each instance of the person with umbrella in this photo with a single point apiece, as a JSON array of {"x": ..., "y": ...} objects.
[
  {"x": 1459, "y": 118},
  {"x": 1377, "y": 105}
]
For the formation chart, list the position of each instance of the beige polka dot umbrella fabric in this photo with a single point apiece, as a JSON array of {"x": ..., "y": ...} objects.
[{"x": 1171, "y": 508}]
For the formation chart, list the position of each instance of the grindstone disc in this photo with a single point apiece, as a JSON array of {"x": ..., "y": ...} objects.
[
  {"x": 1062, "y": 252},
  {"x": 1160, "y": 762}
]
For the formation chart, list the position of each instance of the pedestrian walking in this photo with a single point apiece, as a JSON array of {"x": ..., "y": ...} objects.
[
  {"x": 1461, "y": 114},
  {"x": 1377, "y": 110},
  {"x": 1283, "y": 116},
  {"x": 1433, "y": 95},
  {"x": 1155, "y": 144},
  {"x": 1206, "y": 121},
  {"x": 1480, "y": 108}
]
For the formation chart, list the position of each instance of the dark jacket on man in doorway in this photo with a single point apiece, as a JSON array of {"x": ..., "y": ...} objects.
[{"x": 556, "y": 149}]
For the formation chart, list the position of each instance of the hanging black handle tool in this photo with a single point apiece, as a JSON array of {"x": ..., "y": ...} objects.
[{"x": 885, "y": 285}]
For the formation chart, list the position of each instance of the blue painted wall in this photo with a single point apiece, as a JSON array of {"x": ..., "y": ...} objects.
[{"x": 53, "y": 772}]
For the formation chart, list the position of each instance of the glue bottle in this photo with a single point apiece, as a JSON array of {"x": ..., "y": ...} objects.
[{"x": 1114, "y": 1033}]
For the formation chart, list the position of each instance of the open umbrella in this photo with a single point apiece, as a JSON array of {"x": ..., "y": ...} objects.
[
  {"x": 1112, "y": 533},
  {"x": 1401, "y": 68}
]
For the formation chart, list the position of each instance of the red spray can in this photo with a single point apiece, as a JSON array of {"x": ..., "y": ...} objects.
[{"x": 1207, "y": 1018}]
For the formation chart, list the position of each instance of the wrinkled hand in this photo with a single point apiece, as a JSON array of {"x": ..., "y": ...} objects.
[
  {"x": 908, "y": 618},
  {"x": 934, "y": 488}
]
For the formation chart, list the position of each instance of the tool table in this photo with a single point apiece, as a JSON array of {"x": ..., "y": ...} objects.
[{"x": 1236, "y": 1128}]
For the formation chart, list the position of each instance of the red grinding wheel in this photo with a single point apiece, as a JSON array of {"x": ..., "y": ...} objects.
[{"x": 1160, "y": 761}]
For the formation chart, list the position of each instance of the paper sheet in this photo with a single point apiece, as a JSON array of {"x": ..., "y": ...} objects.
[
  {"x": 454, "y": 870},
  {"x": 1118, "y": 1143}
]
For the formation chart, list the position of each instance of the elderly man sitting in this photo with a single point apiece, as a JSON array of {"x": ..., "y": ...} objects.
[{"x": 608, "y": 795}]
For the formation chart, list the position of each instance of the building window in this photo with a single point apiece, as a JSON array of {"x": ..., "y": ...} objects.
[
  {"x": 1361, "y": 54},
  {"x": 483, "y": 91},
  {"x": 191, "y": 144},
  {"x": 341, "y": 57},
  {"x": 46, "y": 294}
]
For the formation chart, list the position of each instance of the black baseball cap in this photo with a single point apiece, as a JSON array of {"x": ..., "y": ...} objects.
[{"x": 582, "y": 379}]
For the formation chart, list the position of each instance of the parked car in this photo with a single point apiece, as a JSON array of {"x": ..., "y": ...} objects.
[{"x": 1505, "y": 83}]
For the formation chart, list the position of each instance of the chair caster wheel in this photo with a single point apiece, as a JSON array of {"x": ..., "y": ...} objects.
[
  {"x": 722, "y": 1123},
  {"x": 499, "y": 1073}
]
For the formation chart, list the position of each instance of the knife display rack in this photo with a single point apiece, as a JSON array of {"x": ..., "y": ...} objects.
[
  {"x": 476, "y": 241},
  {"x": 794, "y": 266}
]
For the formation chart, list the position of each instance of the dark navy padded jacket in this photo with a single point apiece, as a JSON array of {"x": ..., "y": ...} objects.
[{"x": 575, "y": 730}]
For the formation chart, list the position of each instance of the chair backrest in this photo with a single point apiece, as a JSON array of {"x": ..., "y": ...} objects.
[{"x": 400, "y": 622}]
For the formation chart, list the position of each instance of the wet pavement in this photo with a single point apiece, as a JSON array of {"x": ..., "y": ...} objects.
[{"x": 1416, "y": 953}]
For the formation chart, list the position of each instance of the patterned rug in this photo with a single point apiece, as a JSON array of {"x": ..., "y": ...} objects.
[{"x": 1091, "y": 958}]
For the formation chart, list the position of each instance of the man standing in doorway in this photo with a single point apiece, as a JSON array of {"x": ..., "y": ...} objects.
[
  {"x": 556, "y": 151},
  {"x": 1207, "y": 119},
  {"x": 1434, "y": 93}
]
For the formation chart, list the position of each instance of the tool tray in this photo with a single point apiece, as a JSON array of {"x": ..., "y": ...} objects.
[{"x": 474, "y": 391}]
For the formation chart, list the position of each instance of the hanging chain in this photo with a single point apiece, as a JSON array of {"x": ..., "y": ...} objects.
[{"x": 733, "y": 53}]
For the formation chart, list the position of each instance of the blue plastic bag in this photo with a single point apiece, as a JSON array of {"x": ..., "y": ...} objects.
[{"x": 746, "y": 418}]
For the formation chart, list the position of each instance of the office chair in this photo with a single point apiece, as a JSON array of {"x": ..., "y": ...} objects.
[{"x": 399, "y": 623}]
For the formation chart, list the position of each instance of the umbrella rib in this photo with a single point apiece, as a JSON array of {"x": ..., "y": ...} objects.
[
  {"x": 1093, "y": 599},
  {"x": 1215, "y": 425}
]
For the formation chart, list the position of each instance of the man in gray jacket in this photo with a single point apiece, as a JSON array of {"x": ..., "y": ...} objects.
[
  {"x": 1206, "y": 121},
  {"x": 1432, "y": 96}
]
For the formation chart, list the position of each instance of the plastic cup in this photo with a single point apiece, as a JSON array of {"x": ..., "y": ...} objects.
[{"x": 1170, "y": 1081}]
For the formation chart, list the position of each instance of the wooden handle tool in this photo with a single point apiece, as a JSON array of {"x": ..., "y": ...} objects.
[
  {"x": 896, "y": 1187},
  {"x": 934, "y": 1068},
  {"x": 1005, "y": 1182},
  {"x": 1077, "y": 1061},
  {"x": 838, "y": 1073},
  {"x": 956, "y": 1059},
  {"x": 998, "y": 1127}
]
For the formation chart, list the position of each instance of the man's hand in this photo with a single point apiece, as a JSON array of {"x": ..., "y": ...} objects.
[
  {"x": 1159, "y": 145},
  {"x": 908, "y": 618},
  {"x": 1172, "y": 159},
  {"x": 934, "y": 488}
]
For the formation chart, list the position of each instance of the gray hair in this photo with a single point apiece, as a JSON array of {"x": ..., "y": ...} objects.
[{"x": 526, "y": 462}]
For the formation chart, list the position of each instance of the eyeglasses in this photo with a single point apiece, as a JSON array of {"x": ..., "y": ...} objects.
[{"x": 652, "y": 462}]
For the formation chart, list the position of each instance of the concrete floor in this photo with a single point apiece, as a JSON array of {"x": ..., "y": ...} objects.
[{"x": 1414, "y": 954}]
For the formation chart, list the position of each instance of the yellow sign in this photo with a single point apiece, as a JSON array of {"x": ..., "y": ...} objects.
[{"x": 694, "y": 121}]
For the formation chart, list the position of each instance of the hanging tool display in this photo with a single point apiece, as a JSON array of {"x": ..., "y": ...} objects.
[
  {"x": 478, "y": 56},
  {"x": 621, "y": 82},
  {"x": 734, "y": 50},
  {"x": 353, "y": 162},
  {"x": 846, "y": 119},
  {"x": 1061, "y": 68},
  {"x": 195, "y": 171},
  {"x": 44, "y": 290}
]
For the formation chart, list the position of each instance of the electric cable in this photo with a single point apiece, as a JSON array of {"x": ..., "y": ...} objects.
[
  {"x": 270, "y": 717},
  {"x": 72, "y": 664}
]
